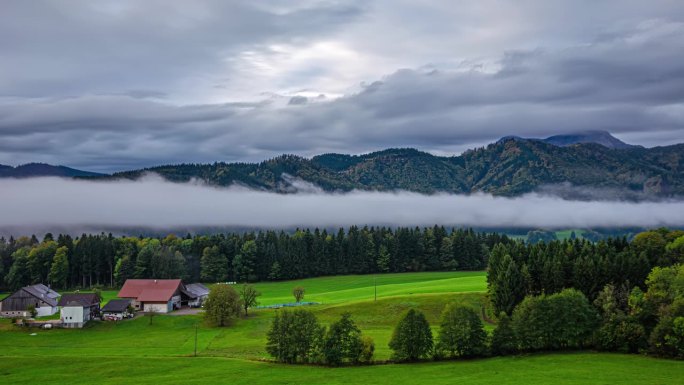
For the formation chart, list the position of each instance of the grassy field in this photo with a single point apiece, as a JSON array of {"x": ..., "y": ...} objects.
[
  {"x": 560, "y": 369},
  {"x": 159, "y": 352}
]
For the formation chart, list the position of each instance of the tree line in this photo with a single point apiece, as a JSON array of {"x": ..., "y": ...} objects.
[
  {"x": 94, "y": 260},
  {"x": 650, "y": 321}
]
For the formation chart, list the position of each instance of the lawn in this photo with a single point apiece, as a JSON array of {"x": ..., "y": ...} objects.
[{"x": 113, "y": 353}]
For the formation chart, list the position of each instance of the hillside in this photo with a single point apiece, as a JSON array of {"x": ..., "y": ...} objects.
[
  {"x": 509, "y": 167},
  {"x": 41, "y": 169}
]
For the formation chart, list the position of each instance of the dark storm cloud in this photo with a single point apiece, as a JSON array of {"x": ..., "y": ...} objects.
[{"x": 98, "y": 87}]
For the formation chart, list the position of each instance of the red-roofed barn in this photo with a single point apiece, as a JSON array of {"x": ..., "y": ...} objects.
[{"x": 153, "y": 295}]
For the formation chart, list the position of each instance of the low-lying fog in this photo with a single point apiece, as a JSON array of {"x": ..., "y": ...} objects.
[{"x": 154, "y": 203}]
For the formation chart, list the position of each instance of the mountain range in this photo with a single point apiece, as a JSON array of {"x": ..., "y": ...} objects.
[
  {"x": 584, "y": 164},
  {"x": 42, "y": 169}
]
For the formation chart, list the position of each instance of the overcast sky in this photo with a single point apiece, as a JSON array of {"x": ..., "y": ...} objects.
[{"x": 113, "y": 85}]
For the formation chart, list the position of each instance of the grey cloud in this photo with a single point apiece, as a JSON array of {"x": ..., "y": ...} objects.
[
  {"x": 66, "y": 48},
  {"x": 153, "y": 203},
  {"x": 628, "y": 80}
]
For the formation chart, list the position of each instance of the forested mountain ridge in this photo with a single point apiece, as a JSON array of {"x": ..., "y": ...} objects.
[
  {"x": 509, "y": 167},
  {"x": 41, "y": 169}
]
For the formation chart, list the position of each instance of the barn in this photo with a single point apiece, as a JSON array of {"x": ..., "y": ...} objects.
[
  {"x": 199, "y": 291},
  {"x": 154, "y": 295},
  {"x": 40, "y": 296}
]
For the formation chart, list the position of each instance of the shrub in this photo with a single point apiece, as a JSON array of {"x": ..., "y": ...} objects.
[
  {"x": 563, "y": 320},
  {"x": 622, "y": 334},
  {"x": 367, "y": 349},
  {"x": 503, "y": 337}
]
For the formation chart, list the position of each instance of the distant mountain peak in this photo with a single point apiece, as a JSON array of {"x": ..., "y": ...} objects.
[
  {"x": 43, "y": 169},
  {"x": 604, "y": 138}
]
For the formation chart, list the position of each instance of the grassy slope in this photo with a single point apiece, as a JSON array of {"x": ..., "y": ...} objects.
[{"x": 155, "y": 353}]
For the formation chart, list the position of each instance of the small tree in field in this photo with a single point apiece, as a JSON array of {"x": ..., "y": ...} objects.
[
  {"x": 412, "y": 338},
  {"x": 249, "y": 295},
  {"x": 222, "y": 305},
  {"x": 461, "y": 332},
  {"x": 298, "y": 293},
  {"x": 295, "y": 336},
  {"x": 343, "y": 342}
]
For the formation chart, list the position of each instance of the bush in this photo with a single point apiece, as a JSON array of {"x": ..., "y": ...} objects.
[
  {"x": 412, "y": 338},
  {"x": 503, "y": 337},
  {"x": 667, "y": 339},
  {"x": 564, "y": 320},
  {"x": 295, "y": 336},
  {"x": 461, "y": 333},
  {"x": 367, "y": 349},
  {"x": 621, "y": 334}
]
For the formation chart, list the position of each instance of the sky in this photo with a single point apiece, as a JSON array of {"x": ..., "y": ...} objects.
[{"x": 117, "y": 85}]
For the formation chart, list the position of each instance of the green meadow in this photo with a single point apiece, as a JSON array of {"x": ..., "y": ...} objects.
[{"x": 162, "y": 352}]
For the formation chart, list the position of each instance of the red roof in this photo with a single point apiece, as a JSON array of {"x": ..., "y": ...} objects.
[{"x": 150, "y": 290}]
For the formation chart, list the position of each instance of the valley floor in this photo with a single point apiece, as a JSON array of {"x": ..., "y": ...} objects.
[{"x": 161, "y": 353}]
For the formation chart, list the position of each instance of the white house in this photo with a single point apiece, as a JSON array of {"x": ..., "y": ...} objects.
[{"x": 77, "y": 309}]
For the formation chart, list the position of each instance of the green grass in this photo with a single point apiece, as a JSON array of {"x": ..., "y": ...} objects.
[
  {"x": 361, "y": 287},
  {"x": 134, "y": 350},
  {"x": 559, "y": 369}
]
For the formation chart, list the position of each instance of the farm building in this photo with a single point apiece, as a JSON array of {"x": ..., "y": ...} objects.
[
  {"x": 77, "y": 309},
  {"x": 200, "y": 291},
  {"x": 153, "y": 295},
  {"x": 40, "y": 296},
  {"x": 116, "y": 309}
]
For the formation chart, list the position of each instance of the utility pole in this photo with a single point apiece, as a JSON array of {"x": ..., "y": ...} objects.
[
  {"x": 195, "y": 340},
  {"x": 375, "y": 288}
]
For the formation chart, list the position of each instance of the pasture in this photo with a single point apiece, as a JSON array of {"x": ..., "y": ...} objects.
[{"x": 161, "y": 352}]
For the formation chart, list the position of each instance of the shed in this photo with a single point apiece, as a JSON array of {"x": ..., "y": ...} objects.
[
  {"x": 116, "y": 309},
  {"x": 199, "y": 292}
]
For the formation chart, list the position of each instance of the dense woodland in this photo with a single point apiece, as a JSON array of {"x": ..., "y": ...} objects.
[
  {"x": 105, "y": 260},
  {"x": 509, "y": 167}
]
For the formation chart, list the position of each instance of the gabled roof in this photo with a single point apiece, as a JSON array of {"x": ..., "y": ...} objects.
[
  {"x": 117, "y": 305},
  {"x": 78, "y": 299},
  {"x": 42, "y": 293},
  {"x": 197, "y": 289},
  {"x": 150, "y": 290}
]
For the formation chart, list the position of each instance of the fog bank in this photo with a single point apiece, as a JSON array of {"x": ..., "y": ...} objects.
[{"x": 154, "y": 203}]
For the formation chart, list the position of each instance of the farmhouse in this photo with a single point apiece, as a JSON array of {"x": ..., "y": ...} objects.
[
  {"x": 153, "y": 295},
  {"x": 116, "y": 309},
  {"x": 40, "y": 296},
  {"x": 77, "y": 309},
  {"x": 200, "y": 291}
]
